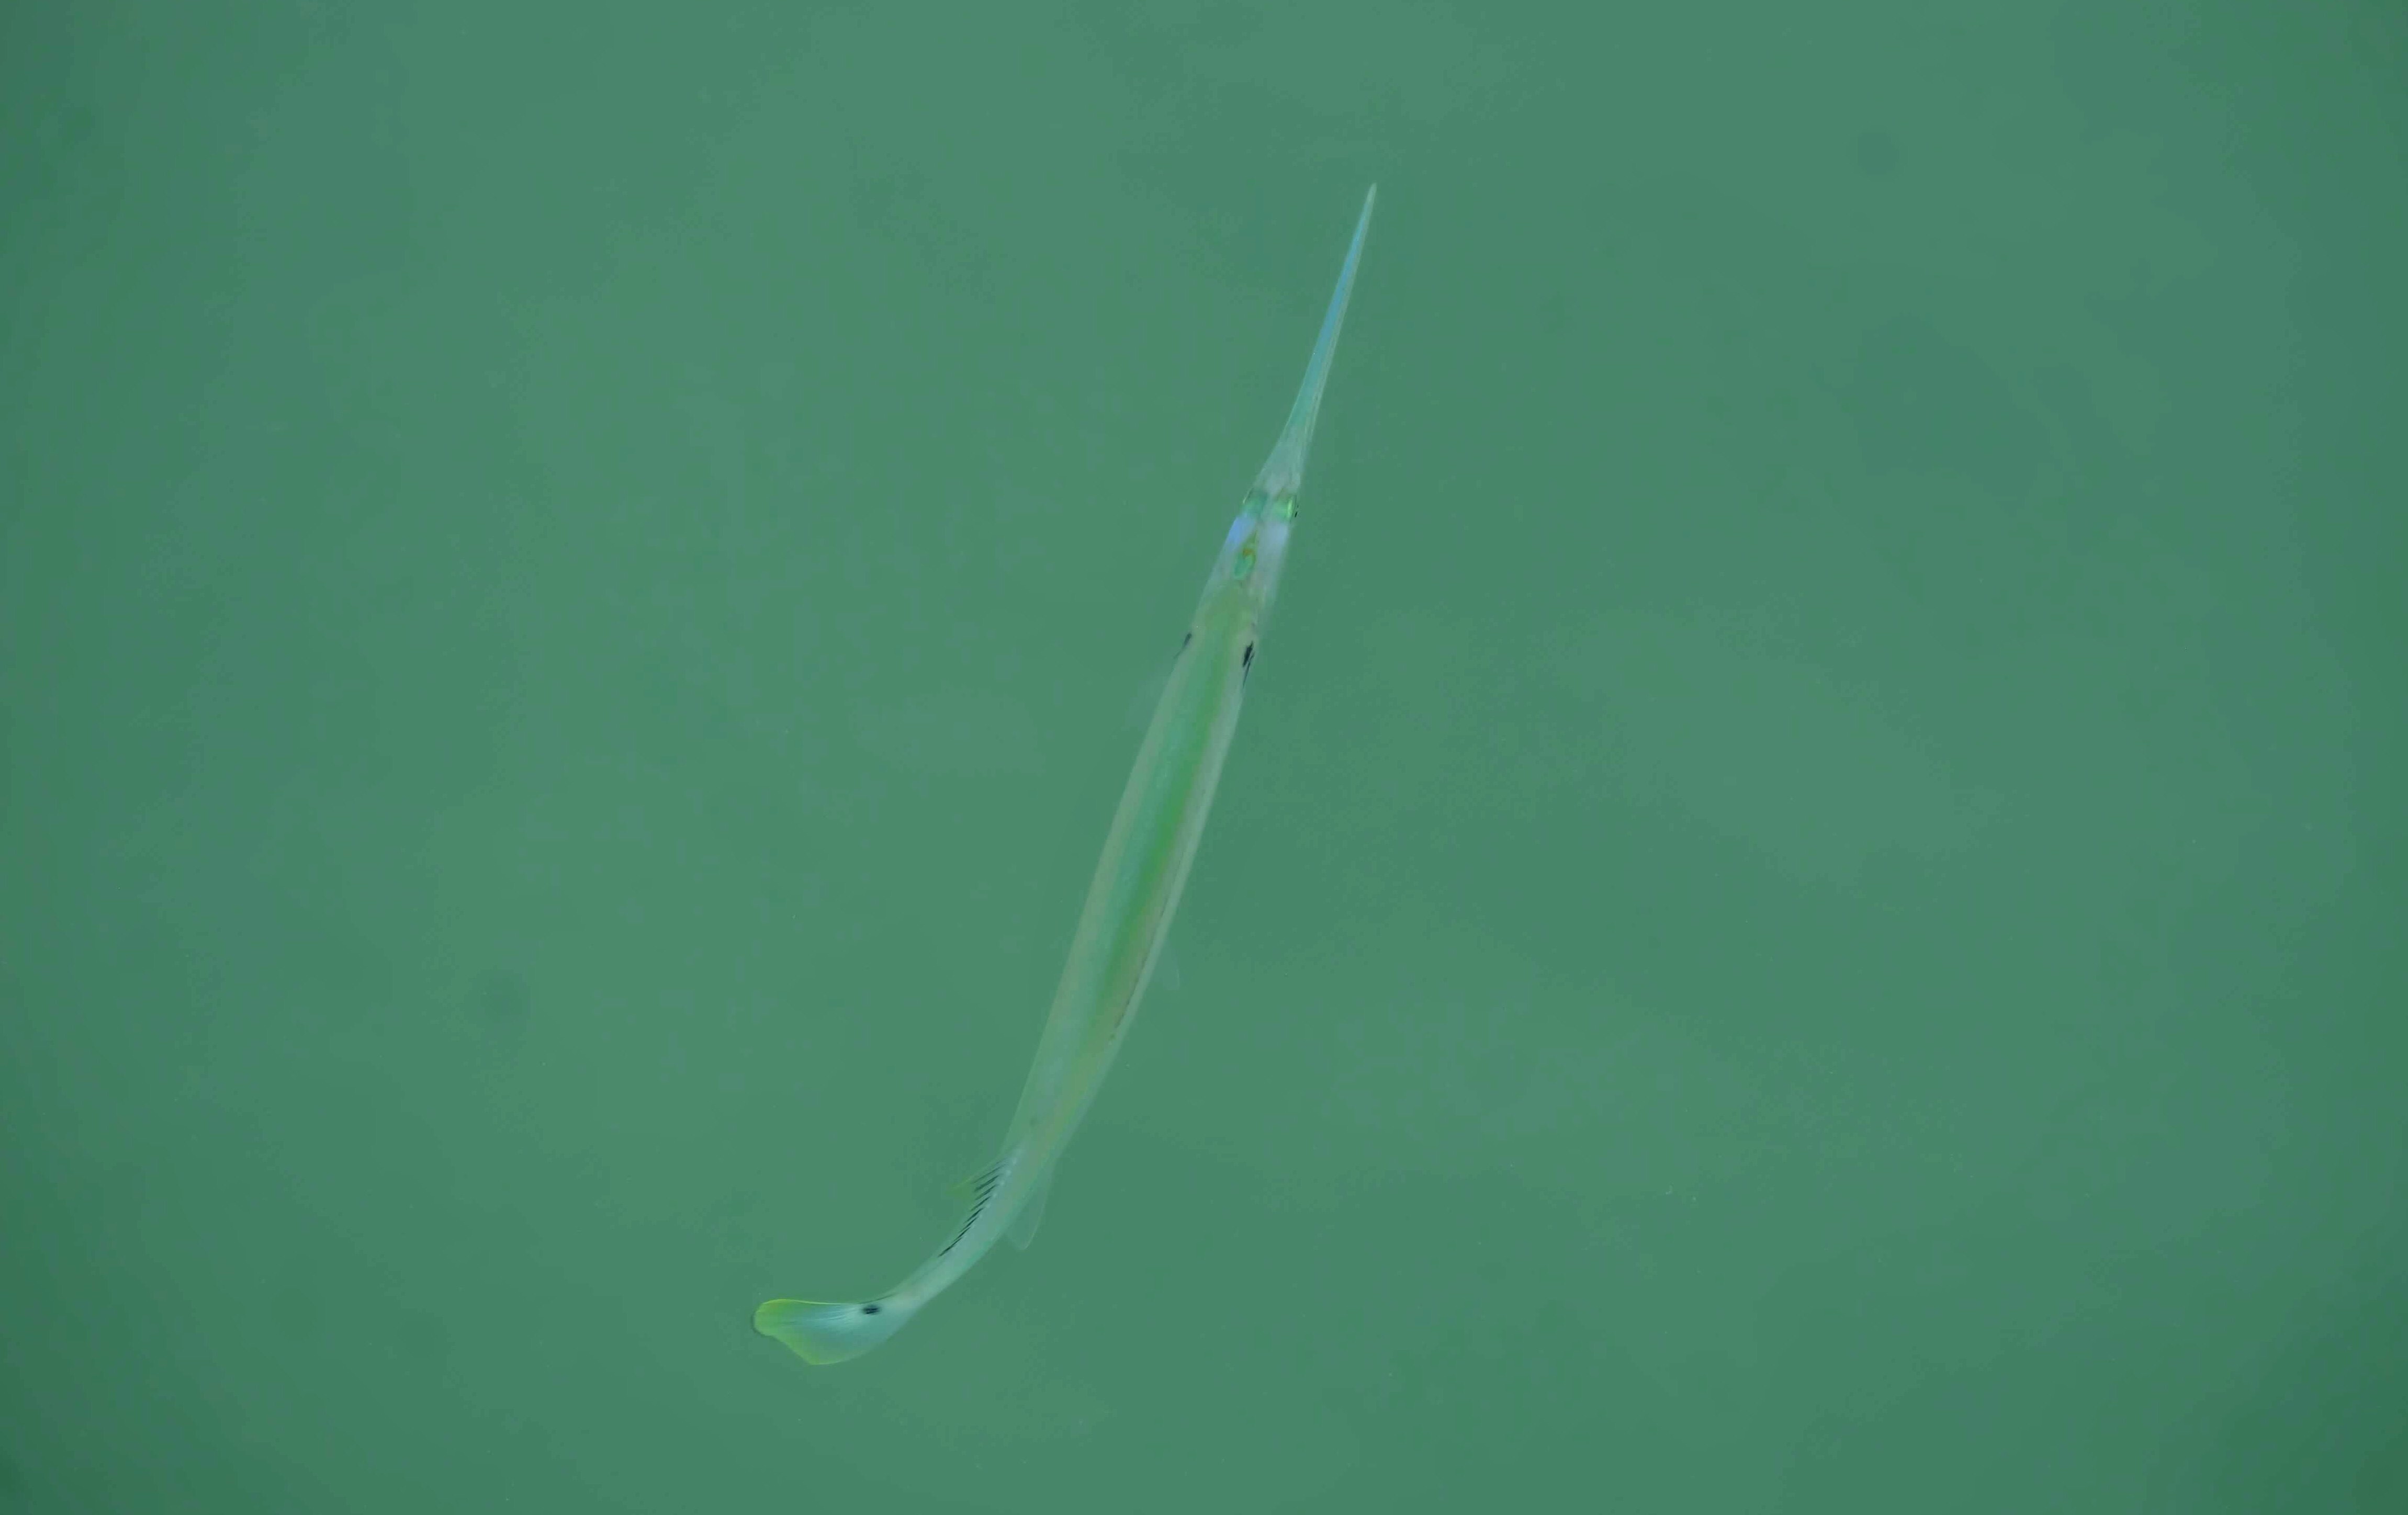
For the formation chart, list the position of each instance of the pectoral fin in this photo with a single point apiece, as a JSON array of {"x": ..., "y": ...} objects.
[{"x": 1148, "y": 697}]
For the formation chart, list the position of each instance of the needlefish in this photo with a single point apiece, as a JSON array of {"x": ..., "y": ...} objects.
[{"x": 1136, "y": 888}]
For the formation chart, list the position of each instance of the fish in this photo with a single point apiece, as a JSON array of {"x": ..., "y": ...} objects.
[{"x": 1138, "y": 882}]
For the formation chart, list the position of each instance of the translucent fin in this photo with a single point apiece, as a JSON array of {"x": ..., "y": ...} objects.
[
  {"x": 1023, "y": 1226},
  {"x": 978, "y": 1189},
  {"x": 830, "y": 1333},
  {"x": 1148, "y": 697},
  {"x": 977, "y": 1186}
]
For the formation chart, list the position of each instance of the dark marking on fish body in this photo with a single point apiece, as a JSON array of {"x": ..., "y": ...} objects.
[
  {"x": 871, "y": 1309},
  {"x": 1246, "y": 664},
  {"x": 983, "y": 1187}
]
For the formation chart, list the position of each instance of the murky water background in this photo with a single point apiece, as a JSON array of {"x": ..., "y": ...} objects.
[{"x": 1804, "y": 918}]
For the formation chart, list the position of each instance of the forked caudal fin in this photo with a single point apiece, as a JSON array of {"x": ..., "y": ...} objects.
[{"x": 824, "y": 1333}]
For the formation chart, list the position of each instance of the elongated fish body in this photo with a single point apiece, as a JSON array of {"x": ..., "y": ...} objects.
[{"x": 1136, "y": 889}]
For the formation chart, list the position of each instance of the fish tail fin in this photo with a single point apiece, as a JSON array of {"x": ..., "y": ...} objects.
[{"x": 820, "y": 1332}]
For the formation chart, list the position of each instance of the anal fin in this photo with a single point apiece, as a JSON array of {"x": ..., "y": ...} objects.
[
  {"x": 977, "y": 1189},
  {"x": 1023, "y": 1226},
  {"x": 976, "y": 1186}
]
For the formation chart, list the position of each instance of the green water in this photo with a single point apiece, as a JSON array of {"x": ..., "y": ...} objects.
[{"x": 1805, "y": 916}]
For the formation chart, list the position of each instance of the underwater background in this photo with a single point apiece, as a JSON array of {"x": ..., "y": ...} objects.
[{"x": 1804, "y": 917}]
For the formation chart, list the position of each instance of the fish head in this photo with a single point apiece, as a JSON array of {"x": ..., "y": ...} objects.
[{"x": 1255, "y": 550}]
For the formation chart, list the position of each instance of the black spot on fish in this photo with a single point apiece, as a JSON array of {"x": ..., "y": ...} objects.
[
  {"x": 1246, "y": 661},
  {"x": 871, "y": 1309}
]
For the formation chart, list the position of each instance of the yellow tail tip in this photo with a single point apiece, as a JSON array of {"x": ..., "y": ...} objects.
[{"x": 821, "y": 1332}]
